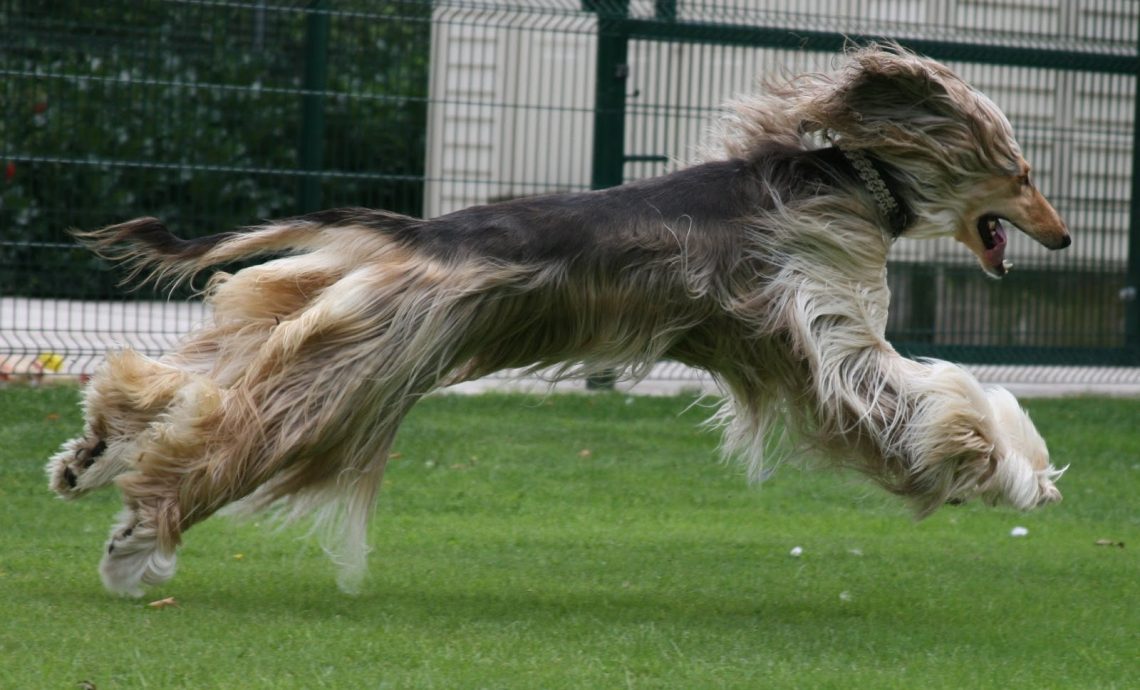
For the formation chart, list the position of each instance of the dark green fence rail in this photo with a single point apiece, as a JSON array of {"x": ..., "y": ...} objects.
[
  {"x": 215, "y": 114},
  {"x": 209, "y": 115}
]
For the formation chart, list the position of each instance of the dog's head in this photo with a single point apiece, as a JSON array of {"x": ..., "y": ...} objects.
[{"x": 960, "y": 169}]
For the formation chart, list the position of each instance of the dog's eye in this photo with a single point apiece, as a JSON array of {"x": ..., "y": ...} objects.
[{"x": 1024, "y": 180}]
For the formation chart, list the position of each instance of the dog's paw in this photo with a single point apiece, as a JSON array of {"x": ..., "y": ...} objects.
[
  {"x": 1023, "y": 476},
  {"x": 79, "y": 467},
  {"x": 1016, "y": 482},
  {"x": 132, "y": 559},
  {"x": 1047, "y": 491}
]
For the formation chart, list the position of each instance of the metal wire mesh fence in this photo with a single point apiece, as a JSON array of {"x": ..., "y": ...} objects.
[{"x": 215, "y": 114}]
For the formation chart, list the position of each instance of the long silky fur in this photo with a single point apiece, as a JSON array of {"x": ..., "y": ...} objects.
[{"x": 766, "y": 266}]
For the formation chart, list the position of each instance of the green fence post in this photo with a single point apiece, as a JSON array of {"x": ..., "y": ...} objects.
[
  {"x": 610, "y": 83},
  {"x": 1131, "y": 292},
  {"x": 310, "y": 150},
  {"x": 665, "y": 10},
  {"x": 611, "y": 76}
]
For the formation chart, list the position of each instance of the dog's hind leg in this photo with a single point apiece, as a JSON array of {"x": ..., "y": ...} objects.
[
  {"x": 134, "y": 557},
  {"x": 310, "y": 421},
  {"x": 183, "y": 479},
  {"x": 127, "y": 394},
  {"x": 141, "y": 549}
]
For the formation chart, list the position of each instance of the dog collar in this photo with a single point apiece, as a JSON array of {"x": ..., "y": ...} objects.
[{"x": 887, "y": 201}]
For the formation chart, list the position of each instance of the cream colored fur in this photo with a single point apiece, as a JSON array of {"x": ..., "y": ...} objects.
[{"x": 291, "y": 396}]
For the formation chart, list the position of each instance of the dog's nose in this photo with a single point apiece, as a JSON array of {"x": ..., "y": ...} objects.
[{"x": 1066, "y": 240}]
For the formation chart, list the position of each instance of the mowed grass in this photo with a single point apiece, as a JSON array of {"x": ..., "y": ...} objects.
[{"x": 593, "y": 542}]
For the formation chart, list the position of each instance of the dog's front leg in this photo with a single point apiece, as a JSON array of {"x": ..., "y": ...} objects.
[{"x": 928, "y": 430}]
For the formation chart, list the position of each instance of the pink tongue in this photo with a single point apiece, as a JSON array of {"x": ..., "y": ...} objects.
[{"x": 995, "y": 256}]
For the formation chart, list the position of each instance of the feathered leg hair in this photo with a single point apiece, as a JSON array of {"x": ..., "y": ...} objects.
[
  {"x": 765, "y": 267},
  {"x": 295, "y": 390}
]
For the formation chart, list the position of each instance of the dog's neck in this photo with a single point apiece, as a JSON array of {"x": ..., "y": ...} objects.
[{"x": 888, "y": 201}]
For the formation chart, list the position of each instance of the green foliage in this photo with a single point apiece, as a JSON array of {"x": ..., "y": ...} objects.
[
  {"x": 592, "y": 542},
  {"x": 192, "y": 113}
]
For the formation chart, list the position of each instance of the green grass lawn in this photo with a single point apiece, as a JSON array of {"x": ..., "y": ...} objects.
[{"x": 593, "y": 542}]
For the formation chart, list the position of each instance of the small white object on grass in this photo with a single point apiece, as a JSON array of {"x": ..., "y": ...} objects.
[
  {"x": 796, "y": 551},
  {"x": 1018, "y": 531}
]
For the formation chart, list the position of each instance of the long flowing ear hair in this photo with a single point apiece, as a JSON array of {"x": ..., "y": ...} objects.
[
  {"x": 895, "y": 102},
  {"x": 883, "y": 99},
  {"x": 910, "y": 112}
]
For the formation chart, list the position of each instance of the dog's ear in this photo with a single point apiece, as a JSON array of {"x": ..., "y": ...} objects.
[
  {"x": 882, "y": 90},
  {"x": 895, "y": 91}
]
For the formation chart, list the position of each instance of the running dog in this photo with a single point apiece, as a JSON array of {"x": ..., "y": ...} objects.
[{"x": 765, "y": 265}]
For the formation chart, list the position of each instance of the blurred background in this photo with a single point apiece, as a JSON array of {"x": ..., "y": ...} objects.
[{"x": 213, "y": 115}]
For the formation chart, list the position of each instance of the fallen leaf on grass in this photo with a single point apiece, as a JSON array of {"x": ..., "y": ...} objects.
[
  {"x": 163, "y": 603},
  {"x": 1109, "y": 542}
]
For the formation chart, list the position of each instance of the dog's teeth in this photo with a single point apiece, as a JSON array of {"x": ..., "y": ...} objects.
[
  {"x": 992, "y": 225},
  {"x": 1006, "y": 264}
]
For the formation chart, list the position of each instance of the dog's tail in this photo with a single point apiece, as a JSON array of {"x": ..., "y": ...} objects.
[{"x": 153, "y": 254}]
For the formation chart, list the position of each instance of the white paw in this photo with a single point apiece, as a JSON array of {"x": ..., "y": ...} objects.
[
  {"x": 1023, "y": 476},
  {"x": 85, "y": 463},
  {"x": 132, "y": 559}
]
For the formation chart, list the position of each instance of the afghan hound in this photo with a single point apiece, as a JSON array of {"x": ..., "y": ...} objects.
[{"x": 764, "y": 265}]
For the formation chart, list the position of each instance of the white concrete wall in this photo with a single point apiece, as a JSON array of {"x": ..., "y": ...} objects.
[{"x": 511, "y": 111}]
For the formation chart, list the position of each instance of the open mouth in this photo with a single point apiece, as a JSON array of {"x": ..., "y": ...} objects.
[{"x": 992, "y": 234}]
